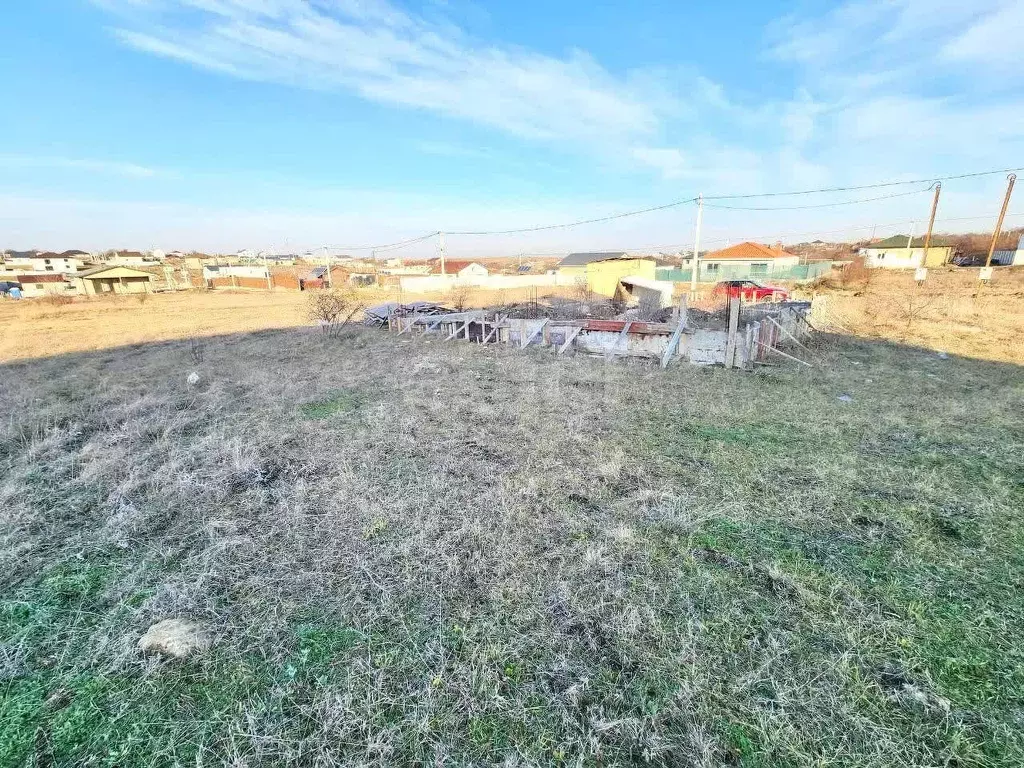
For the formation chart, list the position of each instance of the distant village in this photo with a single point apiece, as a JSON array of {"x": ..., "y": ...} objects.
[{"x": 32, "y": 274}]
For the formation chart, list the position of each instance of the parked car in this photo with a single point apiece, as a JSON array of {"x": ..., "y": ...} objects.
[
  {"x": 971, "y": 260},
  {"x": 750, "y": 290}
]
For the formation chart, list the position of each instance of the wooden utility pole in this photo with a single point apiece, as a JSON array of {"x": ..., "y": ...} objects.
[
  {"x": 931, "y": 223},
  {"x": 696, "y": 248},
  {"x": 440, "y": 245},
  {"x": 1002, "y": 215}
]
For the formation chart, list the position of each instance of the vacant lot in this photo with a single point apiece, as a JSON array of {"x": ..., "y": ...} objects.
[
  {"x": 952, "y": 311},
  {"x": 441, "y": 554}
]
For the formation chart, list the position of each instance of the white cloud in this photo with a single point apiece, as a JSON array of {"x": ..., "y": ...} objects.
[
  {"x": 992, "y": 42},
  {"x": 386, "y": 55}
]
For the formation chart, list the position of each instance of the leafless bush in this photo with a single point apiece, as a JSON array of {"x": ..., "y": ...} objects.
[
  {"x": 911, "y": 308},
  {"x": 856, "y": 274},
  {"x": 196, "y": 349},
  {"x": 142, "y": 297},
  {"x": 582, "y": 291},
  {"x": 332, "y": 310},
  {"x": 58, "y": 299},
  {"x": 458, "y": 297}
]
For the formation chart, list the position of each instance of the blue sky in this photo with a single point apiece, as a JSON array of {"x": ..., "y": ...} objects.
[{"x": 288, "y": 124}]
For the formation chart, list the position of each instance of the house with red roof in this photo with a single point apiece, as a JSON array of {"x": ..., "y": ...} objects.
[
  {"x": 751, "y": 259},
  {"x": 458, "y": 268}
]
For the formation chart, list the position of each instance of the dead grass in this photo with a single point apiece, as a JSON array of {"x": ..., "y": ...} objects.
[
  {"x": 418, "y": 553},
  {"x": 34, "y": 328},
  {"x": 952, "y": 312}
]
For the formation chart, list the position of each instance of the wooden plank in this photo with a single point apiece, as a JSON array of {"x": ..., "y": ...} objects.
[
  {"x": 495, "y": 324},
  {"x": 569, "y": 339},
  {"x": 538, "y": 329},
  {"x": 794, "y": 338},
  {"x": 610, "y": 354},
  {"x": 734, "y": 318},
  {"x": 682, "y": 311},
  {"x": 790, "y": 357},
  {"x": 673, "y": 342}
]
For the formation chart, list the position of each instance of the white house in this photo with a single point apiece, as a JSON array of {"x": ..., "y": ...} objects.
[
  {"x": 457, "y": 268},
  {"x": 45, "y": 285},
  {"x": 893, "y": 253},
  {"x": 133, "y": 259},
  {"x": 64, "y": 263}
]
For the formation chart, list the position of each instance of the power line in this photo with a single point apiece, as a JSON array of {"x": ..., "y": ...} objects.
[
  {"x": 384, "y": 246},
  {"x": 576, "y": 223},
  {"x": 817, "y": 205},
  {"x": 677, "y": 203},
  {"x": 878, "y": 185},
  {"x": 787, "y": 235}
]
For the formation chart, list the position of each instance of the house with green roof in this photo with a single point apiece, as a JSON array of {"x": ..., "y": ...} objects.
[{"x": 904, "y": 252}]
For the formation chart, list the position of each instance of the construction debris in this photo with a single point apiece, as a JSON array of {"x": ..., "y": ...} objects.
[{"x": 744, "y": 337}]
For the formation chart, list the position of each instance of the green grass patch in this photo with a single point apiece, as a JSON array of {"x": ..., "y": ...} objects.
[{"x": 337, "y": 402}]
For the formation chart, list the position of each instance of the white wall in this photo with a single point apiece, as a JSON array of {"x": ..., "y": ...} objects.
[
  {"x": 260, "y": 272},
  {"x": 434, "y": 283}
]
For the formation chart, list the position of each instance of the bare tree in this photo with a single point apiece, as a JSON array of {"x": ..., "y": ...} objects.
[
  {"x": 332, "y": 310},
  {"x": 458, "y": 297}
]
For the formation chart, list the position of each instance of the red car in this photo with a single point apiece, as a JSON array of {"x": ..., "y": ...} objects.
[{"x": 748, "y": 290}]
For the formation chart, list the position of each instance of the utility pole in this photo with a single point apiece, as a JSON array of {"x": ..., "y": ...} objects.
[
  {"x": 931, "y": 223},
  {"x": 696, "y": 248},
  {"x": 327, "y": 263},
  {"x": 266, "y": 268},
  {"x": 440, "y": 245},
  {"x": 1002, "y": 215}
]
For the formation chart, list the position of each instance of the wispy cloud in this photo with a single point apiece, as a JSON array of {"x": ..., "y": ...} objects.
[
  {"x": 387, "y": 55},
  {"x": 129, "y": 170}
]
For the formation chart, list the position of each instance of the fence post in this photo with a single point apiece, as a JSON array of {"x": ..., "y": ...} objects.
[{"x": 734, "y": 317}]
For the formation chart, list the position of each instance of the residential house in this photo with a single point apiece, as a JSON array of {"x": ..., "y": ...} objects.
[
  {"x": 133, "y": 259},
  {"x": 894, "y": 253},
  {"x": 30, "y": 262},
  {"x": 457, "y": 268},
  {"x": 600, "y": 272},
  {"x": 113, "y": 278},
  {"x": 746, "y": 260},
  {"x": 44, "y": 285}
]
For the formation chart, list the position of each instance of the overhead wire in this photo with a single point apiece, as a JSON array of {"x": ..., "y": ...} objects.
[
  {"x": 676, "y": 203},
  {"x": 816, "y": 205}
]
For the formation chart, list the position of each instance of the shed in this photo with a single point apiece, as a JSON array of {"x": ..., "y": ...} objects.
[
  {"x": 44, "y": 285},
  {"x": 113, "y": 279},
  {"x": 601, "y": 271}
]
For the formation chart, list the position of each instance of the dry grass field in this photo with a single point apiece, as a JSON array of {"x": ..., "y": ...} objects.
[
  {"x": 952, "y": 312},
  {"x": 38, "y": 327},
  {"x": 416, "y": 553}
]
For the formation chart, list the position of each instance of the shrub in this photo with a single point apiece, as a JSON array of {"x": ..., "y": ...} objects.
[{"x": 332, "y": 309}]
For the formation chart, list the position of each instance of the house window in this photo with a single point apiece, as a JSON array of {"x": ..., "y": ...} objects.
[
  {"x": 712, "y": 267},
  {"x": 49, "y": 268},
  {"x": 759, "y": 269}
]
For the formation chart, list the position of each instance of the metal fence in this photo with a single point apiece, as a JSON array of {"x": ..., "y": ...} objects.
[{"x": 712, "y": 273}]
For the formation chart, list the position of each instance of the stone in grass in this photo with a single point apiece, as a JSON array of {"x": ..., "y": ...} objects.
[{"x": 176, "y": 638}]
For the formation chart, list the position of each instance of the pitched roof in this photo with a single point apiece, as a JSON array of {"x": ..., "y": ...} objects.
[
  {"x": 20, "y": 255},
  {"x": 451, "y": 266},
  {"x": 900, "y": 241},
  {"x": 107, "y": 267},
  {"x": 41, "y": 279},
  {"x": 580, "y": 259},
  {"x": 746, "y": 251},
  {"x": 74, "y": 253}
]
